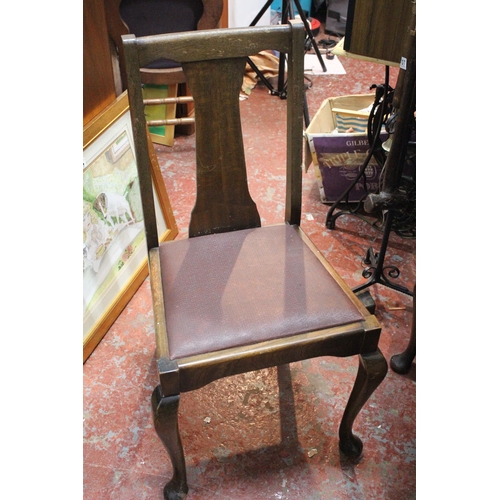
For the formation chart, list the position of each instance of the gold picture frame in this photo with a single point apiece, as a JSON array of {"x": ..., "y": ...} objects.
[{"x": 114, "y": 250}]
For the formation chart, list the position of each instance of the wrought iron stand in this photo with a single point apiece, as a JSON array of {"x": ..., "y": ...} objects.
[
  {"x": 390, "y": 198},
  {"x": 377, "y": 272}
]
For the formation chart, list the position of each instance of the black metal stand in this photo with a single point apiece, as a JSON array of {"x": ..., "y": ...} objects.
[
  {"x": 286, "y": 13},
  {"x": 391, "y": 199},
  {"x": 377, "y": 272},
  {"x": 397, "y": 215}
]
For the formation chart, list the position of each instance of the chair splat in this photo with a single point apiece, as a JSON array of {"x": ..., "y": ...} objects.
[{"x": 223, "y": 201}]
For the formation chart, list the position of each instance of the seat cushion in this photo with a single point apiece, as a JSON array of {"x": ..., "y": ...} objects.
[{"x": 238, "y": 288}]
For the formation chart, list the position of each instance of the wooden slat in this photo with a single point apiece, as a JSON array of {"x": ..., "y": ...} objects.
[
  {"x": 223, "y": 200},
  {"x": 188, "y": 47}
]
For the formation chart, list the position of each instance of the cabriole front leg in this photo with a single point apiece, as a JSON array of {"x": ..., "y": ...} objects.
[
  {"x": 372, "y": 370},
  {"x": 165, "y": 410}
]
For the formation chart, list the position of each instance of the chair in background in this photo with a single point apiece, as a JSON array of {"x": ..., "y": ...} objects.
[
  {"x": 152, "y": 17},
  {"x": 401, "y": 363},
  {"x": 237, "y": 296}
]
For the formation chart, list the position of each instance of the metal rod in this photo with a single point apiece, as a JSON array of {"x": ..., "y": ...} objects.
[
  {"x": 168, "y": 100},
  {"x": 309, "y": 34},
  {"x": 171, "y": 121}
]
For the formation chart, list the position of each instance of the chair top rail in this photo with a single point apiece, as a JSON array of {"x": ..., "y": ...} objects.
[{"x": 202, "y": 45}]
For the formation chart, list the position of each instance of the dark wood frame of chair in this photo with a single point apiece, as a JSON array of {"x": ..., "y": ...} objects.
[{"x": 221, "y": 181}]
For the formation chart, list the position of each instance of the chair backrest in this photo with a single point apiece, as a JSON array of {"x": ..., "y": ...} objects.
[{"x": 214, "y": 64}]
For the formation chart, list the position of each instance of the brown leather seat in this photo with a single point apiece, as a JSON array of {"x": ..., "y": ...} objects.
[{"x": 257, "y": 284}]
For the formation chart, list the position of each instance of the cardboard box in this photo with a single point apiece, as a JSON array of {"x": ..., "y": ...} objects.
[{"x": 338, "y": 155}]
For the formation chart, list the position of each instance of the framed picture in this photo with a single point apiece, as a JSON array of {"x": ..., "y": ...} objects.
[{"x": 114, "y": 247}]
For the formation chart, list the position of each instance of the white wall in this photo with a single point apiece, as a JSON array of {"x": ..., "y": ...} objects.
[{"x": 241, "y": 13}]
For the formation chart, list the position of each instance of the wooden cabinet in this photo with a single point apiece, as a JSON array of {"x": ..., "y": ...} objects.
[
  {"x": 98, "y": 79},
  {"x": 377, "y": 28},
  {"x": 99, "y": 88}
]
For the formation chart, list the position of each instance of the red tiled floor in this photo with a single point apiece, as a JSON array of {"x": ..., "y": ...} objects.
[{"x": 247, "y": 437}]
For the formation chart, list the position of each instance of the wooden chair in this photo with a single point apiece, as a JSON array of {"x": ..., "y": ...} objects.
[
  {"x": 235, "y": 296},
  {"x": 152, "y": 17}
]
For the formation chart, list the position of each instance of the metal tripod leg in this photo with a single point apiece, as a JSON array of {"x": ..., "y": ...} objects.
[
  {"x": 309, "y": 34},
  {"x": 286, "y": 11}
]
